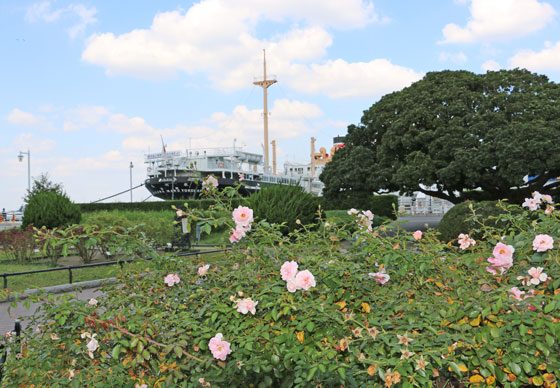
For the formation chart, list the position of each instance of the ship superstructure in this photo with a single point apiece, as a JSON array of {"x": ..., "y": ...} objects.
[{"x": 178, "y": 174}]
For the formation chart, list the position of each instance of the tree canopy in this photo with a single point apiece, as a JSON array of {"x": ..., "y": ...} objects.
[
  {"x": 455, "y": 135},
  {"x": 41, "y": 184}
]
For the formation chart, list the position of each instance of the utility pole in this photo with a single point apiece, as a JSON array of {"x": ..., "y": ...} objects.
[
  {"x": 265, "y": 83},
  {"x": 131, "y": 167}
]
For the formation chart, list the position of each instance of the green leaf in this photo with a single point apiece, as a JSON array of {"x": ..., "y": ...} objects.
[
  {"x": 514, "y": 368},
  {"x": 455, "y": 368},
  {"x": 178, "y": 351},
  {"x": 116, "y": 351},
  {"x": 342, "y": 372},
  {"x": 550, "y": 307},
  {"x": 311, "y": 373},
  {"x": 527, "y": 367}
]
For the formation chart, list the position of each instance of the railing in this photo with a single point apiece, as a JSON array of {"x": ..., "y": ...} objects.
[{"x": 69, "y": 268}]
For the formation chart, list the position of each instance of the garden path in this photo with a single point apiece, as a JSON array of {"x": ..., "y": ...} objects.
[{"x": 7, "y": 319}]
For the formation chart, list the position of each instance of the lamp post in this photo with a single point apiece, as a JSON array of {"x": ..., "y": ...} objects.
[
  {"x": 20, "y": 157},
  {"x": 131, "y": 167}
]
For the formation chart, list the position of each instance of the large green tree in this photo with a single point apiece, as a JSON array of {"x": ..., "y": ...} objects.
[{"x": 455, "y": 135}]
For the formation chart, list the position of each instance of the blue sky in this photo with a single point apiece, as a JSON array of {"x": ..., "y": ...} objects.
[{"x": 89, "y": 86}]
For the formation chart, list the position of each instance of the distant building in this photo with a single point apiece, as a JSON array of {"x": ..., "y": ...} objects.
[{"x": 420, "y": 203}]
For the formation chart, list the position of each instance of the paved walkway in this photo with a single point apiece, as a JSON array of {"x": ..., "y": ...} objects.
[
  {"x": 7, "y": 319},
  {"x": 418, "y": 222}
]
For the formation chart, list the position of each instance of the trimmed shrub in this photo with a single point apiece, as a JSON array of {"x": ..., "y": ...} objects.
[
  {"x": 382, "y": 205},
  {"x": 151, "y": 206},
  {"x": 51, "y": 210},
  {"x": 459, "y": 219},
  {"x": 278, "y": 204}
]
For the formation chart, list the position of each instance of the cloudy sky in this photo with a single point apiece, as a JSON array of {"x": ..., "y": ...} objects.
[{"x": 89, "y": 86}]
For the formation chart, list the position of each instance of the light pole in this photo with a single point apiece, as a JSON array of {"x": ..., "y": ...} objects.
[
  {"x": 131, "y": 167},
  {"x": 20, "y": 157}
]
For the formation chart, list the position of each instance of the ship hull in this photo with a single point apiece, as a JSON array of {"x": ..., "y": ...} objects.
[{"x": 191, "y": 188}]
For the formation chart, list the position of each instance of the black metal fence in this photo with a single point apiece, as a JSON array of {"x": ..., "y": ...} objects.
[{"x": 69, "y": 268}]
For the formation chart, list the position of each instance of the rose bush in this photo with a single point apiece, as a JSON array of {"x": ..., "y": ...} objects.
[{"x": 369, "y": 310}]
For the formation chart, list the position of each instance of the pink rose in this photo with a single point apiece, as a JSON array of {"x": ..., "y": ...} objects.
[
  {"x": 500, "y": 263},
  {"x": 503, "y": 251},
  {"x": 242, "y": 215},
  {"x": 542, "y": 243},
  {"x": 380, "y": 277},
  {"x": 236, "y": 235},
  {"x": 549, "y": 210},
  {"x": 171, "y": 279},
  {"x": 417, "y": 235},
  {"x": 247, "y": 305},
  {"x": 291, "y": 284},
  {"x": 547, "y": 198},
  {"x": 202, "y": 270},
  {"x": 305, "y": 280},
  {"x": 465, "y": 242},
  {"x": 516, "y": 293},
  {"x": 492, "y": 270},
  {"x": 368, "y": 214},
  {"x": 288, "y": 270},
  {"x": 537, "y": 275},
  {"x": 180, "y": 213},
  {"x": 352, "y": 211},
  {"x": 531, "y": 203},
  {"x": 219, "y": 348},
  {"x": 210, "y": 182}
]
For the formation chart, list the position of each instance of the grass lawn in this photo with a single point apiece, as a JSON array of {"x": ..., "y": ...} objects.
[{"x": 23, "y": 282}]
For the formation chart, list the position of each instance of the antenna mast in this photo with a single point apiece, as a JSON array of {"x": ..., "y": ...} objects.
[{"x": 265, "y": 83}]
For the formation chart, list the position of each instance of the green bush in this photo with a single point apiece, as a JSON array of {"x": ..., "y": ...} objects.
[
  {"x": 278, "y": 204},
  {"x": 51, "y": 210},
  {"x": 18, "y": 243},
  {"x": 384, "y": 205},
  {"x": 459, "y": 219},
  {"x": 382, "y": 311}
]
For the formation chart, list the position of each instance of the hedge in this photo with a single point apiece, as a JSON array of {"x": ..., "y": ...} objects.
[{"x": 147, "y": 206}]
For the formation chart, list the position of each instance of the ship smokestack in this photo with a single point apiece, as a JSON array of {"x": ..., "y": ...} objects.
[{"x": 273, "y": 143}]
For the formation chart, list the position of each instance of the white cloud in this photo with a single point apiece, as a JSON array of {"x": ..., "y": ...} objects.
[
  {"x": 28, "y": 141},
  {"x": 452, "y": 57},
  {"x": 43, "y": 12},
  {"x": 500, "y": 20},
  {"x": 26, "y": 119},
  {"x": 340, "y": 79},
  {"x": 179, "y": 41},
  {"x": 491, "y": 65},
  {"x": 546, "y": 59},
  {"x": 84, "y": 117}
]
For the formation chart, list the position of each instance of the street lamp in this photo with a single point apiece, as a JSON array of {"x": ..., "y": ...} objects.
[
  {"x": 20, "y": 157},
  {"x": 131, "y": 166}
]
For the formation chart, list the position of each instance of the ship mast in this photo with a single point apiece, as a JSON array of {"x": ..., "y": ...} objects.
[{"x": 265, "y": 83}]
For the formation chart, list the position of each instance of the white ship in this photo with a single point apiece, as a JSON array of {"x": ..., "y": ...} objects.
[{"x": 179, "y": 174}]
